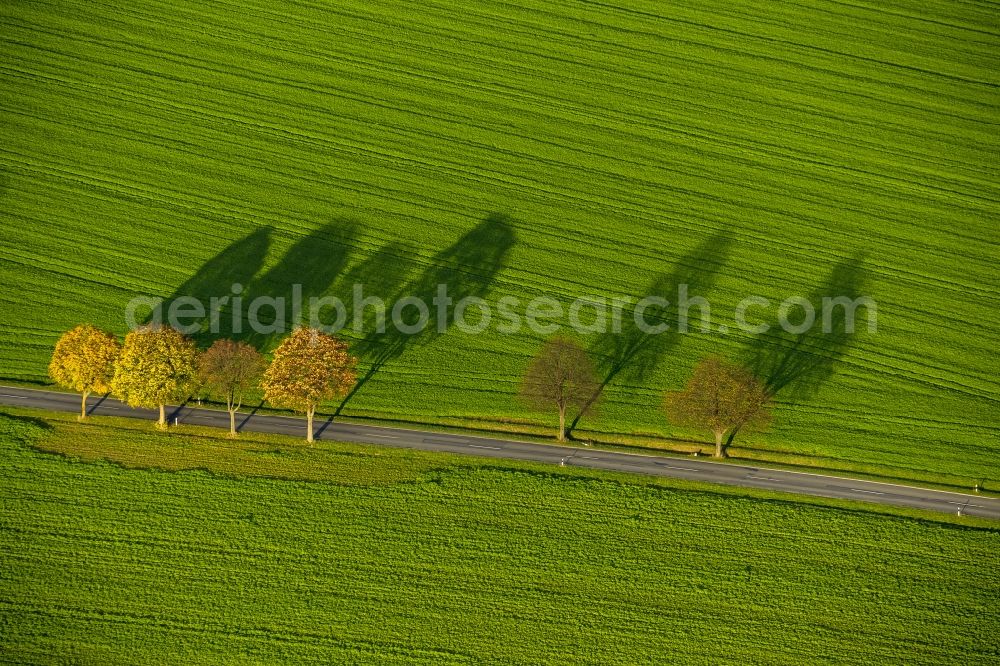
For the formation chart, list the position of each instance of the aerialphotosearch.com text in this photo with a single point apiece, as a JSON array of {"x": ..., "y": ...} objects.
[{"x": 237, "y": 313}]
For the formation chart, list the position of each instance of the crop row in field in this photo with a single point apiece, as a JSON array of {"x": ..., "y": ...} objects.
[
  {"x": 409, "y": 556},
  {"x": 167, "y": 147}
]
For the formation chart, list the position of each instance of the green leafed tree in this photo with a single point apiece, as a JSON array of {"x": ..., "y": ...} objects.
[
  {"x": 84, "y": 361},
  {"x": 309, "y": 367},
  {"x": 157, "y": 365},
  {"x": 720, "y": 397}
]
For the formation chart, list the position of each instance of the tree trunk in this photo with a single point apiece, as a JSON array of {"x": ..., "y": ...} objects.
[
  {"x": 309, "y": 425},
  {"x": 719, "y": 451},
  {"x": 562, "y": 424},
  {"x": 83, "y": 405},
  {"x": 162, "y": 423},
  {"x": 232, "y": 423}
]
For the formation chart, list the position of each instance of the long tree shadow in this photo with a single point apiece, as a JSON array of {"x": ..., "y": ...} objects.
[
  {"x": 796, "y": 365},
  {"x": 236, "y": 264},
  {"x": 278, "y": 301},
  {"x": 468, "y": 268},
  {"x": 382, "y": 275},
  {"x": 633, "y": 354}
]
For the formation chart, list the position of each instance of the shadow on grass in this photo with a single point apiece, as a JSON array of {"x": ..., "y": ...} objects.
[
  {"x": 25, "y": 428},
  {"x": 279, "y": 299},
  {"x": 468, "y": 268},
  {"x": 633, "y": 354},
  {"x": 796, "y": 365},
  {"x": 276, "y": 301},
  {"x": 236, "y": 264}
]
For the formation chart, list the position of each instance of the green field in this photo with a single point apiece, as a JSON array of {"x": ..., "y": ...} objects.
[
  {"x": 177, "y": 147},
  {"x": 392, "y": 555}
]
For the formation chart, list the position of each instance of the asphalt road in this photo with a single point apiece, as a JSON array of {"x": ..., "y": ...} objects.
[{"x": 690, "y": 468}]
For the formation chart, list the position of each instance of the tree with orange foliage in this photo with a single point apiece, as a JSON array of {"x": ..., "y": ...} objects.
[
  {"x": 309, "y": 367},
  {"x": 84, "y": 361}
]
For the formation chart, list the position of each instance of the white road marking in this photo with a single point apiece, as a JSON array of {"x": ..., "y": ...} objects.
[
  {"x": 479, "y": 446},
  {"x": 381, "y": 436},
  {"x": 762, "y": 478},
  {"x": 701, "y": 464}
]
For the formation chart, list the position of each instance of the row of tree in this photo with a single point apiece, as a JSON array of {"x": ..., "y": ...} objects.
[
  {"x": 720, "y": 397},
  {"x": 157, "y": 365}
]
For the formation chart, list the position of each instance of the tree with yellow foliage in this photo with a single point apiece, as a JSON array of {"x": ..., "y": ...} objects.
[
  {"x": 157, "y": 365},
  {"x": 84, "y": 361},
  {"x": 309, "y": 367}
]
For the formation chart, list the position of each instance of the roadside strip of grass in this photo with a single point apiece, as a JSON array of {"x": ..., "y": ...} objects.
[
  {"x": 135, "y": 444},
  {"x": 738, "y": 454}
]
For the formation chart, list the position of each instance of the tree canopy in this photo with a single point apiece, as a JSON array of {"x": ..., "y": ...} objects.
[
  {"x": 157, "y": 365},
  {"x": 84, "y": 361},
  {"x": 560, "y": 376},
  {"x": 309, "y": 367},
  {"x": 721, "y": 397},
  {"x": 227, "y": 370}
]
